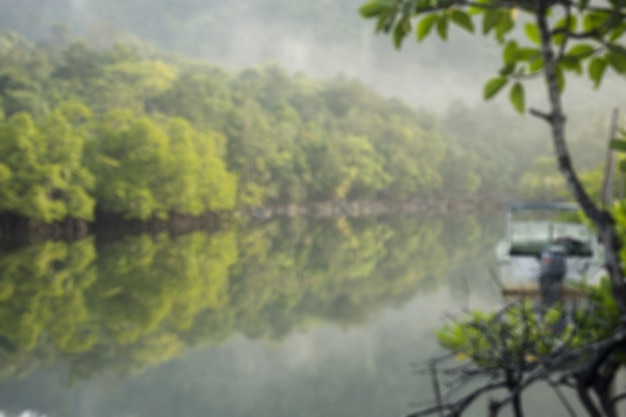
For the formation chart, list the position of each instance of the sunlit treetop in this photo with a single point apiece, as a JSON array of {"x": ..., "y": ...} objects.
[{"x": 585, "y": 37}]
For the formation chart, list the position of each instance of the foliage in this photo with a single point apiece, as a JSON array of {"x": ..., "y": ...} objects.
[
  {"x": 586, "y": 36},
  {"x": 42, "y": 175},
  {"x": 144, "y": 170},
  {"x": 525, "y": 333},
  {"x": 157, "y": 134}
]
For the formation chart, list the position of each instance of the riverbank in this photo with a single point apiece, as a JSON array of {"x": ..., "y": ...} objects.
[
  {"x": 377, "y": 208},
  {"x": 19, "y": 229}
]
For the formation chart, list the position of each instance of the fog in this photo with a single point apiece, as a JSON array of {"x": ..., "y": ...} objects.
[
  {"x": 322, "y": 40},
  {"x": 418, "y": 75}
]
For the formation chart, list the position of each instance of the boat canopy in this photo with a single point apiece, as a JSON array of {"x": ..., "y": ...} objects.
[
  {"x": 531, "y": 227},
  {"x": 528, "y": 237}
]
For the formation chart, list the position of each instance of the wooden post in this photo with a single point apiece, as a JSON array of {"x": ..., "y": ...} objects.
[{"x": 608, "y": 183}]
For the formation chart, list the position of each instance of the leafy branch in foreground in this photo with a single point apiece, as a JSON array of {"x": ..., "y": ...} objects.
[
  {"x": 585, "y": 38},
  {"x": 577, "y": 346},
  {"x": 562, "y": 38}
]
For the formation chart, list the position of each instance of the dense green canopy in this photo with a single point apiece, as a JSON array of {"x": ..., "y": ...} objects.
[{"x": 143, "y": 134}]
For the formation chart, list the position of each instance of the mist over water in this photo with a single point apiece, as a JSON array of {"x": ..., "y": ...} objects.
[
  {"x": 321, "y": 40},
  {"x": 325, "y": 41}
]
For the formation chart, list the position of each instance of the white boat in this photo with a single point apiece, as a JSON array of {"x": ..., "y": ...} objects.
[{"x": 531, "y": 227}]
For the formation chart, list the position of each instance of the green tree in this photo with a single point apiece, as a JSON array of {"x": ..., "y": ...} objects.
[
  {"x": 127, "y": 155},
  {"x": 146, "y": 170},
  {"x": 200, "y": 94},
  {"x": 43, "y": 173},
  {"x": 164, "y": 134}
]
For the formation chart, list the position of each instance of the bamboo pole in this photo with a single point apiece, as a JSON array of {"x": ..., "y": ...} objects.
[{"x": 608, "y": 183}]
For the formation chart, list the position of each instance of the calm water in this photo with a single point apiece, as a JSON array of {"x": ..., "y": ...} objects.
[{"x": 281, "y": 318}]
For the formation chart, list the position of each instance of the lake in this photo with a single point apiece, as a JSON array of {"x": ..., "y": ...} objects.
[{"x": 282, "y": 317}]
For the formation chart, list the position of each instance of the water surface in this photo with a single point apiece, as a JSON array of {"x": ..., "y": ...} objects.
[{"x": 295, "y": 317}]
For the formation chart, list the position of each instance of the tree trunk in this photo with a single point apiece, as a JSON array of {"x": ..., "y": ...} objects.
[{"x": 601, "y": 219}]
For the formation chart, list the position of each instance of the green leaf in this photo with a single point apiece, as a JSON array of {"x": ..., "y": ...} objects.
[
  {"x": 594, "y": 20},
  {"x": 570, "y": 23},
  {"x": 618, "y": 145},
  {"x": 509, "y": 54},
  {"x": 617, "y": 32},
  {"x": 373, "y": 8},
  {"x": 490, "y": 20},
  {"x": 386, "y": 20},
  {"x": 535, "y": 65},
  {"x": 382, "y": 19},
  {"x": 442, "y": 27},
  {"x": 398, "y": 36},
  {"x": 425, "y": 25},
  {"x": 518, "y": 98},
  {"x": 528, "y": 54},
  {"x": 402, "y": 28},
  {"x": 493, "y": 86},
  {"x": 571, "y": 63},
  {"x": 597, "y": 67},
  {"x": 581, "y": 50},
  {"x": 462, "y": 19},
  {"x": 505, "y": 25},
  {"x": 532, "y": 33},
  {"x": 618, "y": 49},
  {"x": 508, "y": 69},
  {"x": 617, "y": 61},
  {"x": 558, "y": 39}
]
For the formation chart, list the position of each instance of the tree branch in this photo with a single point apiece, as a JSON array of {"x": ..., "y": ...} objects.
[
  {"x": 562, "y": 398},
  {"x": 602, "y": 219},
  {"x": 458, "y": 406}
]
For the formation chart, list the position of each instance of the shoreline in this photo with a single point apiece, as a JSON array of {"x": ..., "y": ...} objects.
[
  {"x": 364, "y": 208},
  {"x": 22, "y": 230}
]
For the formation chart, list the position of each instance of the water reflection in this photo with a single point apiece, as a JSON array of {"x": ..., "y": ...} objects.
[{"x": 301, "y": 308}]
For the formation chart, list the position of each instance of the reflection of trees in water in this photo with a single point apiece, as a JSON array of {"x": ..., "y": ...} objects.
[
  {"x": 468, "y": 268},
  {"x": 143, "y": 299},
  {"x": 333, "y": 270},
  {"x": 124, "y": 306}
]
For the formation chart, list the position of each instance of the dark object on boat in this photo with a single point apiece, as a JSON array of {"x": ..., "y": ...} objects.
[{"x": 552, "y": 271}]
